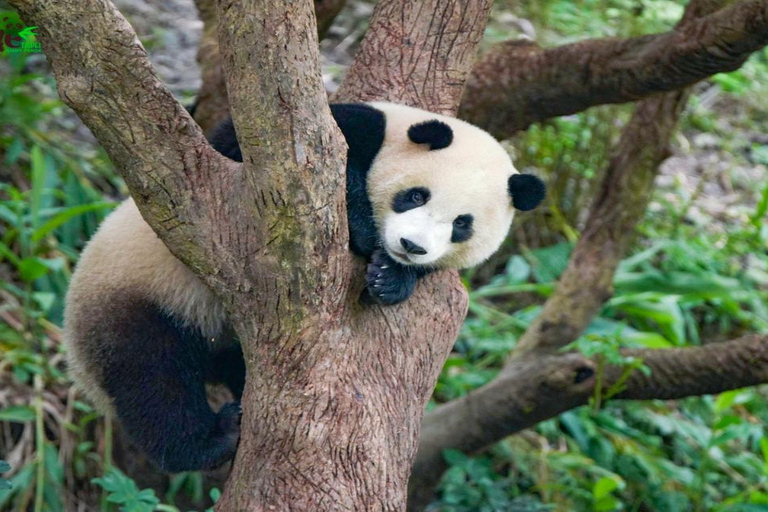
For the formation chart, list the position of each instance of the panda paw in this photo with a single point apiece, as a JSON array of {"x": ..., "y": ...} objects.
[{"x": 388, "y": 282}]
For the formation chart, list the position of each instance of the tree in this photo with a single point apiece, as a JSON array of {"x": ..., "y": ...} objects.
[{"x": 335, "y": 391}]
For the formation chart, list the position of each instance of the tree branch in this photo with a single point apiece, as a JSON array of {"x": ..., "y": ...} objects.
[
  {"x": 516, "y": 84},
  {"x": 212, "y": 105},
  {"x": 334, "y": 407},
  {"x": 154, "y": 144},
  {"x": 624, "y": 194},
  {"x": 705, "y": 370},
  {"x": 537, "y": 389}
]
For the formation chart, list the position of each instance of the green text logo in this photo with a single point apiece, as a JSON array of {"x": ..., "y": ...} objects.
[{"x": 15, "y": 37}]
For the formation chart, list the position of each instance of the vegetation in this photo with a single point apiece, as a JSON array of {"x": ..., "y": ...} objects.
[{"x": 698, "y": 272}]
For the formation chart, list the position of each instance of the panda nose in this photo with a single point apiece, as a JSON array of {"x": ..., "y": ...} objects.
[{"x": 412, "y": 248}]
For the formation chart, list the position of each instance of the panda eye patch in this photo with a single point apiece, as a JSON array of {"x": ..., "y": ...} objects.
[
  {"x": 462, "y": 228},
  {"x": 409, "y": 199}
]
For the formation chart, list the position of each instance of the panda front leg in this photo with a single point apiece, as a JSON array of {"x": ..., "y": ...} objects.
[
  {"x": 155, "y": 373},
  {"x": 388, "y": 281}
]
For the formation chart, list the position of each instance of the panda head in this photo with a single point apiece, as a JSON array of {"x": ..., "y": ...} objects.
[{"x": 443, "y": 191}]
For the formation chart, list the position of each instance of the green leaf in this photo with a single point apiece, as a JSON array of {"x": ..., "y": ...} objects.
[
  {"x": 727, "y": 399},
  {"x": 549, "y": 262},
  {"x": 38, "y": 181},
  {"x": 734, "y": 82},
  {"x": 676, "y": 283},
  {"x": 5, "y": 484},
  {"x": 123, "y": 491},
  {"x": 52, "y": 465},
  {"x": 518, "y": 270},
  {"x": 455, "y": 457},
  {"x": 14, "y": 151},
  {"x": 606, "y": 486},
  {"x": 46, "y": 300},
  {"x": 31, "y": 269},
  {"x": 607, "y": 504},
  {"x": 759, "y": 154},
  {"x": 17, "y": 413},
  {"x": 67, "y": 214}
]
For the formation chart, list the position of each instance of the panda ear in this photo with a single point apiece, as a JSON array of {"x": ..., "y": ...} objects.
[
  {"x": 435, "y": 133},
  {"x": 527, "y": 191}
]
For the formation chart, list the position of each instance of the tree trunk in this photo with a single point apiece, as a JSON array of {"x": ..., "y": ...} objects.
[
  {"x": 335, "y": 391},
  {"x": 334, "y": 402}
]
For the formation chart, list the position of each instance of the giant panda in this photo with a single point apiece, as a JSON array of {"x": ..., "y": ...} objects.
[{"x": 143, "y": 334}]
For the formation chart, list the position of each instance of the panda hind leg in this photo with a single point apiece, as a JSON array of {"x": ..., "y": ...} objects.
[{"x": 155, "y": 373}]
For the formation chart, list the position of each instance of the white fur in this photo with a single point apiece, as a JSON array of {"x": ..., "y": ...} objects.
[
  {"x": 422, "y": 227},
  {"x": 125, "y": 254},
  {"x": 470, "y": 176}
]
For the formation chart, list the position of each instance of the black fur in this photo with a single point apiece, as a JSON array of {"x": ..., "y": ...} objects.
[
  {"x": 527, "y": 191},
  {"x": 363, "y": 127},
  {"x": 388, "y": 281},
  {"x": 155, "y": 373},
  {"x": 224, "y": 140},
  {"x": 462, "y": 228},
  {"x": 409, "y": 199},
  {"x": 435, "y": 133}
]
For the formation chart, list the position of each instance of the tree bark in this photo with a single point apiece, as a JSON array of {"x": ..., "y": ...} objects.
[
  {"x": 417, "y": 53},
  {"x": 212, "y": 105},
  {"x": 518, "y": 83},
  {"x": 335, "y": 391},
  {"x": 334, "y": 408}
]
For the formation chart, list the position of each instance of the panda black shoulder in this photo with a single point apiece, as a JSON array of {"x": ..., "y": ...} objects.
[{"x": 224, "y": 140}]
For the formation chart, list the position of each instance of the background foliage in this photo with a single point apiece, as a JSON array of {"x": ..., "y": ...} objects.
[{"x": 698, "y": 272}]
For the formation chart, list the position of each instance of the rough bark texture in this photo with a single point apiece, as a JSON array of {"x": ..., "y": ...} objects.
[
  {"x": 712, "y": 368},
  {"x": 336, "y": 392},
  {"x": 212, "y": 104},
  {"x": 516, "y": 84},
  {"x": 417, "y": 53}
]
